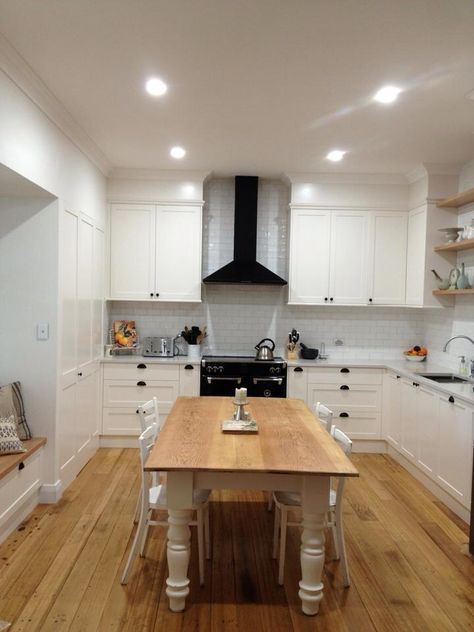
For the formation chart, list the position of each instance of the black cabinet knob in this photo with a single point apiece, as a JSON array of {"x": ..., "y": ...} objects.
[
  {"x": 451, "y": 399},
  {"x": 398, "y": 377},
  {"x": 141, "y": 383},
  {"x": 298, "y": 369},
  {"x": 415, "y": 384},
  {"x": 370, "y": 300},
  {"x": 151, "y": 294},
  {"x": 137, "y": 411},
  {"x": 331, "y": 299},
  {"x": 21, "y": 466},
  {"x": 157, "y": 294},
  {"x": 141, "y": 366},
  {"x": 344, "y": 387},
  {"x": 80, "y": 374},
  {"x": 344, "y": 370},
  {"x": 326, "y": 299},
  {"x": 344, "y": 415},
  {"x": 189, "y": 367}
]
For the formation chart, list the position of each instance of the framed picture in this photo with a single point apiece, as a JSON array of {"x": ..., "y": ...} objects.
[{"x": 125, "y": 334}]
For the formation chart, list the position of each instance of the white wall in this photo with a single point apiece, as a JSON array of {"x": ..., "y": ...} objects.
[{"x": 28, "y": 295}]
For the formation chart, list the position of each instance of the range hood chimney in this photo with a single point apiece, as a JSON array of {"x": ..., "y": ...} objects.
[{"x": 245, "y": 268}]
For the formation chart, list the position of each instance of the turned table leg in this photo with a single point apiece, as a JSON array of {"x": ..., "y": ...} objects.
[{"x": 315, "y": 501}]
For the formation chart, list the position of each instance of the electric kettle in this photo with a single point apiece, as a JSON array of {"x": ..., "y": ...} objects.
[{"x": 264, "y": 351}]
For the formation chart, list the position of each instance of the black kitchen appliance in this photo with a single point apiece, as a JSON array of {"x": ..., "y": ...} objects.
[{"x": 221, "y": 375}]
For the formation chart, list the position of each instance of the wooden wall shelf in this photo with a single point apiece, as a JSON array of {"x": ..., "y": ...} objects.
[
  {"x": 466, "y": 244},
  {"x": 466, "y": 197},
  {"x": 452, "y": 292}
]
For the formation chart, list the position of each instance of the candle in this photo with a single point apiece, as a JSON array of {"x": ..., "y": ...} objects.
[{"x": 241, "y": 395}]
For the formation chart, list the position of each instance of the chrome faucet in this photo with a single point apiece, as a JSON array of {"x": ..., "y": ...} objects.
[{"x": 471, "y": 363}]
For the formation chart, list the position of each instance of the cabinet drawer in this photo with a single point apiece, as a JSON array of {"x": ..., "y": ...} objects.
[
  {"x": 17, "y": 485},
  {"x": 344, "y": 375},
  {"x": 129, "y": 371},
  {"x": 128, "y": 394},
  {"x": 332, "y": 395},
  {"x": 358, "y": 424},
  {"x": 123, "y": 421}
]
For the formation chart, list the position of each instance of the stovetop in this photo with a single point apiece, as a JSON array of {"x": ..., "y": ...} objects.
[{"x": 227, "y": 359}]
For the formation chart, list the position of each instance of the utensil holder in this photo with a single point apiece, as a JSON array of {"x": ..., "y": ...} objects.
[{"x": 194, "y": 351}]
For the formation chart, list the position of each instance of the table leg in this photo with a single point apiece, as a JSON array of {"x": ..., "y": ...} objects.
[
  {"x": 315, "y": 501},
  {"x": 178, "y": 553}
]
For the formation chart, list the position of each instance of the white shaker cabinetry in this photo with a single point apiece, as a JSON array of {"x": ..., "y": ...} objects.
[
  {"x": 391, "y": 414},
  {"x": 387, "y": 258},
  {"x": 155, "y": 252}
]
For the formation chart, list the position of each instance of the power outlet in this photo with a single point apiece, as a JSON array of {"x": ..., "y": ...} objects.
[
  {"x": 339, "y": 342},
  {"x": 42, "y": 331}
]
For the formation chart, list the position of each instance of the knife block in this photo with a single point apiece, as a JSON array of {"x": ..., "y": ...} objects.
[{"x": 291, "y": 355}]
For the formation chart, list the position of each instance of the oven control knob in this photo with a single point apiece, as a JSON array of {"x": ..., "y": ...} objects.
[
  {"x": 267, "y": 392},
  {"x": 272, "y": 369},
  {"x": 208, "y": 369},
  {"x": 277, "y": 369},
  {"x": 221, "y": 369},
  {"x": 214, "y": 369}
]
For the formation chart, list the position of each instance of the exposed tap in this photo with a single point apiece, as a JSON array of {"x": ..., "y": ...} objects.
[{"x": 454, "y": 338}]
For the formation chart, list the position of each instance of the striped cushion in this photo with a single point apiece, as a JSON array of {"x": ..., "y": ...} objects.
[
  {"x": 9, "y": 441},
  {"x": 11, "y": 403}
]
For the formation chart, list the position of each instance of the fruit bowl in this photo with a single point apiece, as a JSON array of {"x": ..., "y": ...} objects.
[{"x": 414, "y": 358}]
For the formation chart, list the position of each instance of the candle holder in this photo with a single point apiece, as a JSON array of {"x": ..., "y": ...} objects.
[{"x": 240, "y": 414}]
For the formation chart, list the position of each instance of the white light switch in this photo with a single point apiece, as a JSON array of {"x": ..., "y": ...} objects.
[{"x": 42, "y": 331}]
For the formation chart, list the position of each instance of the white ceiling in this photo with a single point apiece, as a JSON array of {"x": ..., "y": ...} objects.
[{"x": 258, "y": 86}]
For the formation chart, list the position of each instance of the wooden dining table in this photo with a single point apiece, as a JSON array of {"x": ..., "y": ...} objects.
[{"x": 290, "y": 452}]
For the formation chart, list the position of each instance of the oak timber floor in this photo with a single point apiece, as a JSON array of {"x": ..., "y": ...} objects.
[{"x": 61, "y": 570}]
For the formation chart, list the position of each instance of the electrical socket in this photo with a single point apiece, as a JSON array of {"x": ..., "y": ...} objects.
[{"x": 338, "y": 342}]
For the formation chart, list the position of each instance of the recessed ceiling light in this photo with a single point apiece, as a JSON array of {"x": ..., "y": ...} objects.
[
  {"x": 335, "y": 155},
  {"x": 177, "y": 152},
  {"x": 156, "y": 87},
  {"x": 387, "y": 94}
]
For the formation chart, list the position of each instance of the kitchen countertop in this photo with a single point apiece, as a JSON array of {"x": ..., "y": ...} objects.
[
  {"x": 136, "y": 359},
  {"x": 411, "y": 370}
]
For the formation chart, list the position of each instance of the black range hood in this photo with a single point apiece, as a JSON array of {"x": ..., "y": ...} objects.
[{"x": 245, "y": 268}]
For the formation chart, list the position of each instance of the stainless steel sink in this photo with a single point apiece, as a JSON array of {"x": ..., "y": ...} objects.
[{"x": 444, "y": 378}]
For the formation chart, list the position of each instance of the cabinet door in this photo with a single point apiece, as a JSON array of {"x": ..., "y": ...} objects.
[
  {"x": 178, "y": 253},
  {"x": 85, "y": 263},
  {"x": 416, "y": 257},
  {"x": 427, "y": 426},
  {"x": 297, "y": 383},
  {"x": 68, "y": 282},
  {"x": 455, "y": 448},
  {"x": 348, "y": 268},
  {"x": 408, "y": 425},
  {"x": 98, "y": 294},
  {"x": 392, "y": 409},
  {"x": 387, "y": 269},
  {"x": 189, "y": 380},
  {"x": 132, "y": 251},
  {"x": 309, "y": 256}
]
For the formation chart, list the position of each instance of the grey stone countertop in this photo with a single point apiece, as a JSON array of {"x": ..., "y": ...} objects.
[
  {"x": 405, "y": 368},
  {"x": 137, "y": 359}
]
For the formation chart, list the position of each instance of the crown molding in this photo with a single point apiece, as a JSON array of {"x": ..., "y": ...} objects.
[
  {"x": 416, "y": 174},
  {"x": 169, "y": 175},
  {"x": 345, "y": 178},
  {"x": 24, "y": 77}
]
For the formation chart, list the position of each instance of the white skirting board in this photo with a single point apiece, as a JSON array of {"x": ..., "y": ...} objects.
[
  {"x": 16, "y": 518},
  {"x": 50, "y": 494}
]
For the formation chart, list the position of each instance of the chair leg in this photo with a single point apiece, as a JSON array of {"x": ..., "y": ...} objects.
[
  {"x": 276, "y": 526},
  {"x": 207, "y": 534},
  {"x": 342, "y": 549},
  {"x": 270, "y": 501},
  {"x": 337, "y": 551},
  {"x": 142, "y": 525},
  {"x": 283, "y": 527},
  {"x": 200, "y": 538},
  {"x": 138, "y": 509},
  {"x": 145, "y": 536}
]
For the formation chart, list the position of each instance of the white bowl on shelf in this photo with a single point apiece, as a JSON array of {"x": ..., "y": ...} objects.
[
  {"x": 451, "y": 234},
  {"x": 414, "y": 358}
]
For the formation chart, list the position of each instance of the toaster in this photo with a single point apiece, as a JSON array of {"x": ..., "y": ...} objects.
[{"x": 159, "y": 346}]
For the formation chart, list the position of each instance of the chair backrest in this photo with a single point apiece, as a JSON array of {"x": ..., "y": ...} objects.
[
  {"x": 146, "y": 441},
  {"x": 148, "y": 414},
  {"x": 324, "y": 415},
  {"x": 343, "y": 440}
]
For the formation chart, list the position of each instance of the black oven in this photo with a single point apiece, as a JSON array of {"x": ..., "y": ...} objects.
[{"x": 221, "y": 375}]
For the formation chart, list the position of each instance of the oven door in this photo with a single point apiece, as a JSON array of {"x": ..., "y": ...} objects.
[
  {"x": 270, "y": 386},
  {"x": 224, "y": 386}
]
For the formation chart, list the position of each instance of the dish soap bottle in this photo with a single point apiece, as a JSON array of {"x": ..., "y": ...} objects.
[{"x": 463, "y": 370}]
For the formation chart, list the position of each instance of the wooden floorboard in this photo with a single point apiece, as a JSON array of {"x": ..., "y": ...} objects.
[{"x": 61, "y": 569}]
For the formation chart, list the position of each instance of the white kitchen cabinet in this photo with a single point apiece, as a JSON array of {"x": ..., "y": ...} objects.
[
  {"x": 392, "y": 408},
  {"x": 416, "y": 256},
  {"x": 408, "y": 425},
  {"x": 309, "y": 256},
  {"x": 155, "y": 252},
  {"x": 387, "y": 258},
  {"x": 81, "y": 332},
  {"x": 427, "y": 419},
  {"x": 455, "y": 448},
  {"x": 348, "y": 260},
  {"x": 189, "y": 380},
  {"x": 297, "y": 383}
]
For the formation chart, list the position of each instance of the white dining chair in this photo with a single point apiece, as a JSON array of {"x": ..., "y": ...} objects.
[
  {"x": 154, "y": 498},
  {"x": 287, "y": 501},
  {"x": 324, "y": 415},
  {"x": 148, "y": 414}
]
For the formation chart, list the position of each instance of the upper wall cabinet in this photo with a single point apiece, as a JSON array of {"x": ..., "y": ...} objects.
[
  {"x": 155, "y": 252},
  {"x": 347, "y": 257}
]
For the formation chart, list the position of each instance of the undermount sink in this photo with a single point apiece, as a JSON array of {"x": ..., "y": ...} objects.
[{"x": 445, "y": 378}]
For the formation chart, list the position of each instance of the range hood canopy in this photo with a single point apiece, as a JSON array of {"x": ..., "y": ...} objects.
[{"x": 244, "y": 268}]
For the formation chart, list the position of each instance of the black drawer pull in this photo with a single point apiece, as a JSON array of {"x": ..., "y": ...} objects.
[
  {"x": 451, "y": 399},
  {"x": 344, "y": 387},
  {"x": 298, "y": 369},
  {"x": 415, "y": 384},
  {"x": 141, "y": 366},
  {"x": 137, "y": 411},
  {"x": 344, "y": 415},
  {"x": 21, "y": 466},
  {"x": 141, "y": 383},
  {"x": 344, "y": 370},
  {"x": 398, "y": 377},
  {"x": 189, "y": 367}
]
